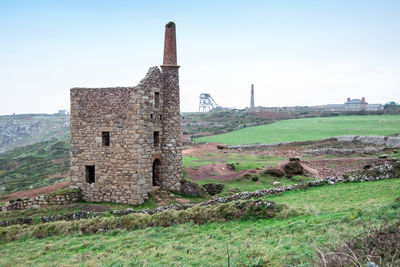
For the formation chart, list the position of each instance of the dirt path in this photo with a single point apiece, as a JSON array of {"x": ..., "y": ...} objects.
[
  {"x": 202, "y": 149},
  {"x": 216, "y": 172}
]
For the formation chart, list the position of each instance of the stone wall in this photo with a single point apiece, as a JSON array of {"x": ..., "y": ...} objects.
[
  {"x": 43, "y": 201},
  {"x": 124, "y": 169},
  {"x": 172, "y": 147},
  {"x": 386, "y": 141}
]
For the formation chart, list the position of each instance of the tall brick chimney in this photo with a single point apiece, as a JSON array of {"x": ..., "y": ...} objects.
[
  {"x": 348, "y": 99},
  {"x": 252, "y": 97},
  {"x": 363, "y": 100},
  {"x": 170, "y": 58},
  {"x": 171, "y": 164}
]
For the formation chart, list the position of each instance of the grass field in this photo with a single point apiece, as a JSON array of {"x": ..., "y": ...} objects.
[
  {"x": 310, "y": 129},
  {"x": 320, "y": 214}
]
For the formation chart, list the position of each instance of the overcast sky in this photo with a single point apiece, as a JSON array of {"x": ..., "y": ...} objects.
[{"x": 294, "y": 52}]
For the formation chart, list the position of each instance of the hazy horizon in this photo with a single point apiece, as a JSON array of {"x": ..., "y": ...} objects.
[{"x": 295, "y": 53}]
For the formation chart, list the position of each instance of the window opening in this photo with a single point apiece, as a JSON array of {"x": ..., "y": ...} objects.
[
  {"x": 156, "y": 99},
  {"x": 105, "y": 136},
  {"x": 156, "y": 139},
  {"x": 156, "y": 172}
]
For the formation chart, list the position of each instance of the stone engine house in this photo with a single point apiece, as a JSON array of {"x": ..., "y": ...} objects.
[{"x": 126, "y": 140}]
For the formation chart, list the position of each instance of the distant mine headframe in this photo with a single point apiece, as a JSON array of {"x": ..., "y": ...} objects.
[{"x": 207, "y": 103}]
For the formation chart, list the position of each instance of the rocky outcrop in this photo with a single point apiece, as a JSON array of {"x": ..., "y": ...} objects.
[
  {"x": 293, "y": 167},
  {"x": 213, "y": 189},
  {"x": 192, "y": 189},
  {"x": 274, "y": 172}
]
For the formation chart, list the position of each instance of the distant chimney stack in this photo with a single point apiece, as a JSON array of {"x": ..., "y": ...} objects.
[
  {"x": 363, "y": 100},
  {"x": 170, "y": 58},
  {"x": 252, "y": 96},
  {"x": 348, "y": 99}
]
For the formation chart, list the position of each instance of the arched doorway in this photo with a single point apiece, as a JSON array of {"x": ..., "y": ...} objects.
[{"x": 157, "y": 172}]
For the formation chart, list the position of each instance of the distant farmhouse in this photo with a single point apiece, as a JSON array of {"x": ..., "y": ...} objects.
[
  {"x": 63, "y": 112},
  {"x": 353, "y": 105}
]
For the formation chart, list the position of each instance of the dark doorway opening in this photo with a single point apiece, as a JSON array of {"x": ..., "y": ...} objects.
[
  {"x": 90, "y": 175},
  {"x": 156, "y": 172}
]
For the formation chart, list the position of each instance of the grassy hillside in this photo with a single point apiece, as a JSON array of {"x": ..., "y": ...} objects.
[
  {"x": 310, "y": 129},
  {"x": 34, "y": 166},
  {"x": 26, "y": 129},
  {"x": 318, "y": 215}
]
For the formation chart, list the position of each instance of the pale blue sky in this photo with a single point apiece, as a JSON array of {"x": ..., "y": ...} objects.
[{"x": 295, "y": 52}]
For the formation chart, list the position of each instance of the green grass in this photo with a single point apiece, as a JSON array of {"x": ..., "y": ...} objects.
[
  {"x": 242, "y": 184},
  {"x": 323, "y": 215},
  {"x": 241, "y": 161},
  {"x": 247, "y": 161},
  {"x": 310, "y": 129},
  {"x": 194, "y": 161}
]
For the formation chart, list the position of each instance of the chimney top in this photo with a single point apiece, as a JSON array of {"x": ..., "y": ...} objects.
[{"x": 170, "y": 58}]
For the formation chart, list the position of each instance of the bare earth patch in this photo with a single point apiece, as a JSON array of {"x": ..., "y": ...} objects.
[
  {"x": 217, "y": 172},
  {"x": 35, "y": 192}
]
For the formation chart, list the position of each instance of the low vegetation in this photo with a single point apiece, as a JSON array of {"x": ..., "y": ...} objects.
[
  {"x": 310, "y": 129},
  {"x": 380, "y": 245},
  {"x": 34, "y": 166},
  {"x": 314, "y": 217}
]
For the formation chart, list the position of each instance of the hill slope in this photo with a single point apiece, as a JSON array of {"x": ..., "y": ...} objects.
[
  {"x": 310, "y": 129},
  {"x": 34, "y": 166},
  {"x": 26, "y": 129}
]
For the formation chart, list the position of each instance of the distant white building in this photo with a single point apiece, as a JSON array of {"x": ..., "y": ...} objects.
[
  {"x": 63, "y": 112},
  {"x": 353, "y": 105}
]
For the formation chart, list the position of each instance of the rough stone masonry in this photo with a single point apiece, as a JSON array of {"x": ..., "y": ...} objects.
[{"x": 125, "y": 140}]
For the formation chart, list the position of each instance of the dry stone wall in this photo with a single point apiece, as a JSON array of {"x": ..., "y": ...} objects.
[{"x": 43, "y": 201}]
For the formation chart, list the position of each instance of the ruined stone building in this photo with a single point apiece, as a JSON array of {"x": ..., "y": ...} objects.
[{"x": 125, "y": 140}]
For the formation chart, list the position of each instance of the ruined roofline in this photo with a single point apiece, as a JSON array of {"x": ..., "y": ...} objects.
[
  {"x": 104, "y": 88},
  {"x": 147, "y": 76}
]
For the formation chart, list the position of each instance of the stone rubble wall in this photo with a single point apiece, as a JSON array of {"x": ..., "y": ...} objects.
[
  {"x": 43, "y": 201},
  {"x": 387, "y": 141},
  {"x": 344, "y": 151}
]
